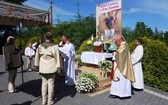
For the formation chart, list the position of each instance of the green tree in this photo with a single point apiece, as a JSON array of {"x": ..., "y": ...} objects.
[
  {"x": 156, "y": 32},
  {"x": 166, "y": 37},
  {"x": 142, "y": 30},
  {"x": 149, "y": 32},
  {"x": 78, "y": 30},
  {"x": 128, "y": 34}
]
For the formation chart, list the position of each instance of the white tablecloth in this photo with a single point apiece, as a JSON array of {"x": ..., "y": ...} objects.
[{"x": 94, "y": 57}]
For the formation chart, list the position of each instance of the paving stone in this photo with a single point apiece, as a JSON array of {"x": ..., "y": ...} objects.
[{"x": 30, "y": 93}]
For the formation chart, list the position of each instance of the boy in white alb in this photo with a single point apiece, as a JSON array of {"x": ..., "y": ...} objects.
[
  {"x": 136, "y": 57},
  {"x": 29, "y": 53}
]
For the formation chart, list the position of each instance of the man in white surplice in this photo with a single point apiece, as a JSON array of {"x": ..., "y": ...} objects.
[
  {"x": 137, "y": 65},
  {"x": 68, "y": 53},
  {"x": 123, "y": 71}
]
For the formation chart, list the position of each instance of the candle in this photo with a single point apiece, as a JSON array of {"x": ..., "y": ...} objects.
[
  {"x": 102, "y": 38},
  {"x": 92, "y": 37}
]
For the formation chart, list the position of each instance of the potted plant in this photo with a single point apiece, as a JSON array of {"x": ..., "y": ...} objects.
[
  {"x": 104, "y": 67},
  {"x": 107, "y": 45},
  {"x": 78, "y": 60}
]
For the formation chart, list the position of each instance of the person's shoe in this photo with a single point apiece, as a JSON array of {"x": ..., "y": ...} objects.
[
  {"x": 30, "y": 70},
  {"x": 138, "y": 90},
  {"x": 14, "y": 91},
  {"x": 132, "y": 93},
  {"x": 113, "y": 96}
]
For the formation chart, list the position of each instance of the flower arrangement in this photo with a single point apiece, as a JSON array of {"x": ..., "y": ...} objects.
[
  {"x": 89, "y": 43},
  {"x": 86, "y": 82},
  {"x": 107, "y": 45},
  {"x": 105, "y": 66}
]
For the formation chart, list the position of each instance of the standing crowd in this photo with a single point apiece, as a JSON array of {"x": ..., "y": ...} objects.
[{"x": 49, "y": 58}]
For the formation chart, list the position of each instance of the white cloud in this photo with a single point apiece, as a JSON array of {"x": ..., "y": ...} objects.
[
  {"x": 152, "y": 6},
  {"x": 132, "y": 10},
  {"x": 40, "y": 4}
]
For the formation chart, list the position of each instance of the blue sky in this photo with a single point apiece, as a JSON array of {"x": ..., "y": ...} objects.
[{"x": 154, "y": 13}]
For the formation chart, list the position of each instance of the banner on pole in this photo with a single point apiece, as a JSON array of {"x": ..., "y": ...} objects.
[{"x": 108, "y": 20}]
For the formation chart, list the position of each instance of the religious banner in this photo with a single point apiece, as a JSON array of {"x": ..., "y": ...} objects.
[{"x": 108, "y": 20}]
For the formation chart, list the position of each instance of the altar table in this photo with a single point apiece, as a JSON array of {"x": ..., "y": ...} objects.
[{"x": 94, "y": 57}]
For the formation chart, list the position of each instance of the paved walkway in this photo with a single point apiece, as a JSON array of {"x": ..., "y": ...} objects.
[{"x": 30, "y": 93}]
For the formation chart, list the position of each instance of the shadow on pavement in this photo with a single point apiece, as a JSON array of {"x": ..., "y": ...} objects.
[
  {"x": 32, "y": 87},
  {"x": 25, "y": 103},
  {"x": 62, "y": 91},
  {"x": 2, "y": 73}
]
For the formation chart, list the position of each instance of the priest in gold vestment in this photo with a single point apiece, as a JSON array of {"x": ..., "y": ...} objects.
[{"x": 123, "y": 71}]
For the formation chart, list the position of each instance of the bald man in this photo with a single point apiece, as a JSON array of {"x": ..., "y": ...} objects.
[{"x": 123, "y": 71}]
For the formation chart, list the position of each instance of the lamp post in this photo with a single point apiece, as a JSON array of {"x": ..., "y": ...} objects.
[{"x": 51, "y": 18}]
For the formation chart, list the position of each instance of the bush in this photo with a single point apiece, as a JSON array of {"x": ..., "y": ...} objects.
[
  {"x": 33, "y": 40},
  {"x": 78, "y": 60},
  {"x": 86, "y": 82},
  {"x": 17, "y": 42},
  {"x": 91, "y": 76},
  {"x": 155, "y": 63},
  {"x": 84, "y": 47},
  {"x": 84, "y": 85}
]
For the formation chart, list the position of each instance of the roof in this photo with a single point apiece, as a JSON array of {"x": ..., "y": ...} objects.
[{"x": 13, "y": 14}]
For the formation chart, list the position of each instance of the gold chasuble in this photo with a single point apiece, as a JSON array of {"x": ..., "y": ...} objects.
[{"x": 123, "y": 61}]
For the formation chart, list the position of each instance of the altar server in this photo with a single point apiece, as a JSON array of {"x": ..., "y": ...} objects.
[
  {"x": 68, "y": 53},
  {"x": 137, "y": 65},
  {"x": 29, "y": 53}
]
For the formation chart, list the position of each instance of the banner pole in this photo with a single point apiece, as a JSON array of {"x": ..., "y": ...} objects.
[
  {"x": 51, "y": 18},
  {"x": 20, "y": 48}
]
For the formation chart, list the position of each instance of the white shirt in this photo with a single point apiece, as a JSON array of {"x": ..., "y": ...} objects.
[
  {"x": 29, "y": 51},
  {"x": 137, "y": 54}
]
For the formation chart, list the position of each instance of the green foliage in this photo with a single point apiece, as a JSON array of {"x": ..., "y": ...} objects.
[
  {"x": 84, "y": 85},
  {"x": 84, "y": 47},
  {"x": 34, "y": 32},
  {"x": 142, "y": 30},
  {"x": 78, "y": 60},
  {"x": 166, "y": 37},
  {"x": 19, "y": 42},
  {"x": 105, "y": 66},
  {"x": 90, "y": 76},
  {"x": 155, "y": 63},
  {"x": 78, "y": 30},
  {"x": 128, "y": 34},
  {"x": 33, "y": 40},
  {"x": 56, "y": 39},
  {"x": 86, "y": 82}
]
